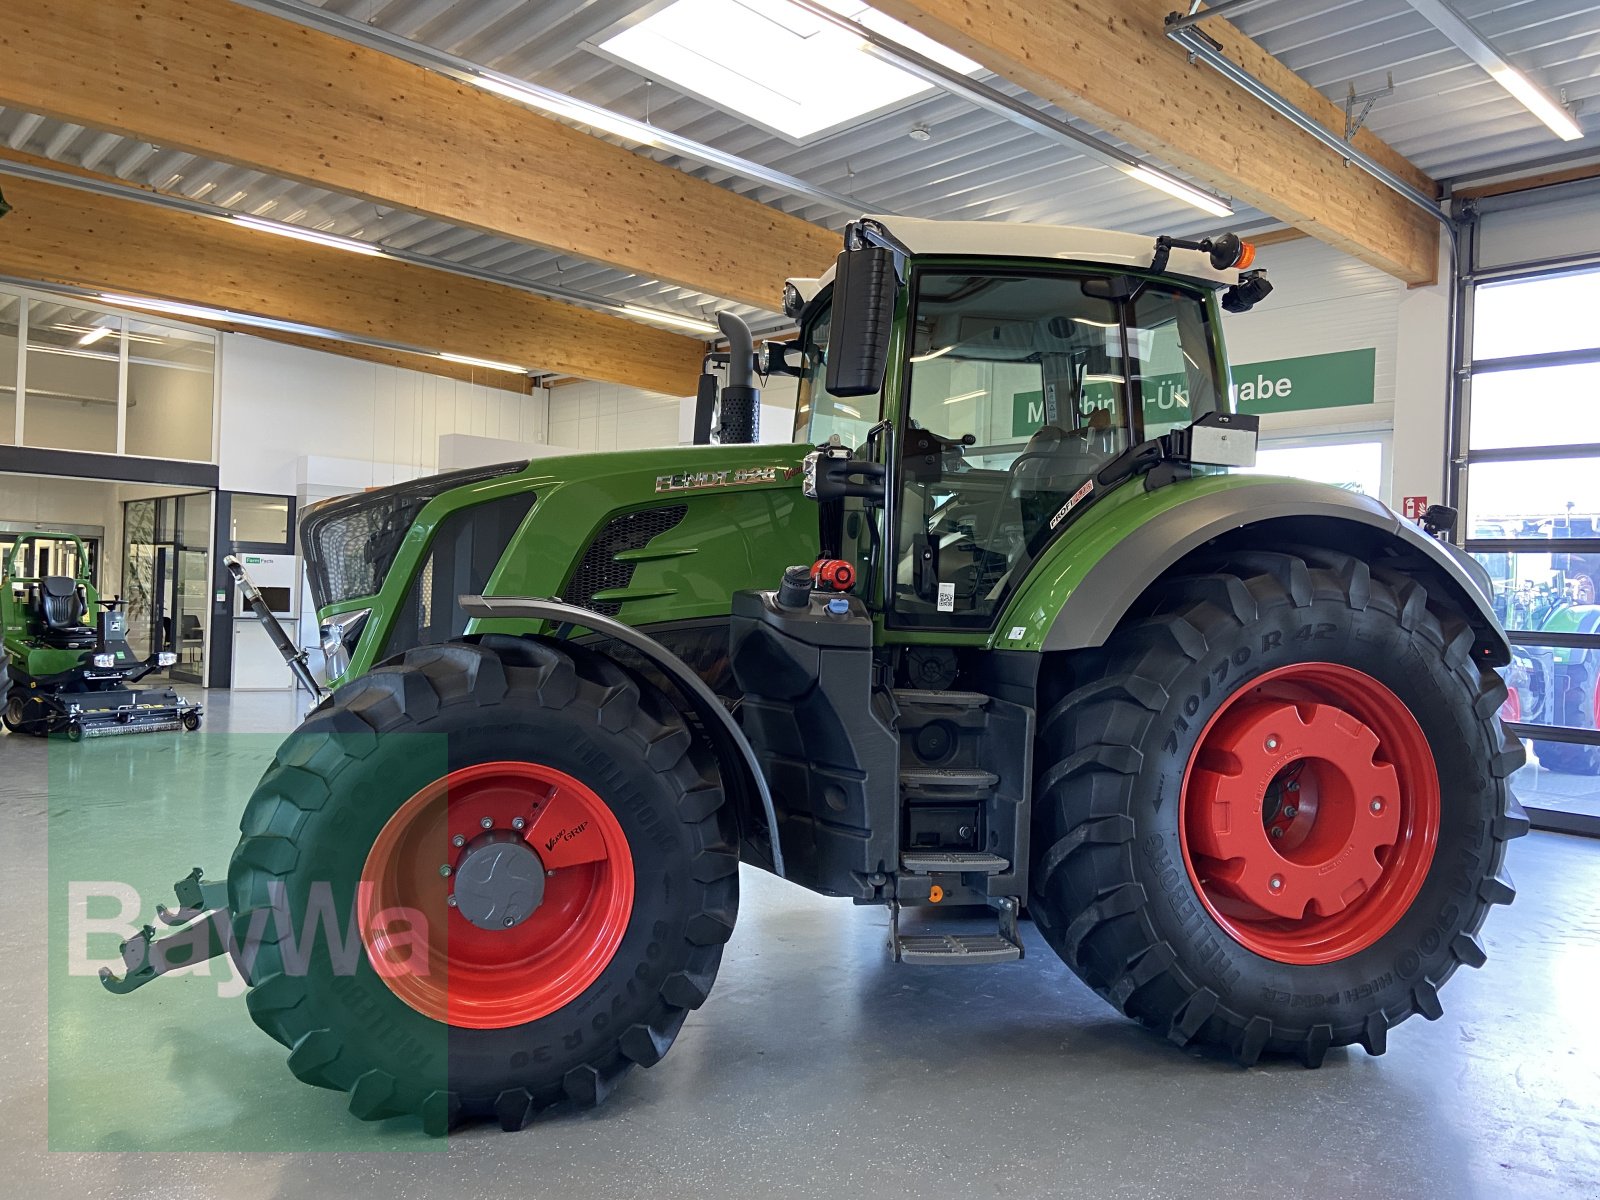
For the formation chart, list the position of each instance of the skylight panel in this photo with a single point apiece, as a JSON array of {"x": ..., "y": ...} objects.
[{"x": 774, "y": 64}]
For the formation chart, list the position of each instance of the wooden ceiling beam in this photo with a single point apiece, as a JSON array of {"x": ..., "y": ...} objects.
[
  {"x": 1111, "y": 63},
  {"x": 62, "y": 235},
  {"x": 227, "y": 82}
]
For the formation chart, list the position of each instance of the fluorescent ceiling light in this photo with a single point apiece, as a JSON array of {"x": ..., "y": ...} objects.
[
  {"x": 315, "y": 236},
  {"x": 776, "y": 64},
  {"x": 94, "y": 335},
  {"x": 966, "y": 396},
  {"x": 932, "y": 354},
  {"x": 1176, "y": 187},
  {"x": 1532, "y": 97},
  {"x": 170, "y": 306},
  {"x": 1467, "y": 37},
  {"x": 486, "y": 363},
  {"x": 650, "y": 314},
  {"x": 595, "y": 118}
]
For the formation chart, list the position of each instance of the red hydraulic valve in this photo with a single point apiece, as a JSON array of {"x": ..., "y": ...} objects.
[{"x": 833, "y": 575}]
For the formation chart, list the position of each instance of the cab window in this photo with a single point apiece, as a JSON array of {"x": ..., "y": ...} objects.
[
  {"x": 1021, "y": 387},
  {"x": 819, "y": 414}
]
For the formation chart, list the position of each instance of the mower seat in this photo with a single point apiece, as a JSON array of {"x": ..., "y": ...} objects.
[{"x": 62, "y": 607}]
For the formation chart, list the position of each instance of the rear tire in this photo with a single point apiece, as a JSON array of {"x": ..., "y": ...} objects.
[
  {"x": 1114, "y": 893},
  {"x": 338, "y": 782}
]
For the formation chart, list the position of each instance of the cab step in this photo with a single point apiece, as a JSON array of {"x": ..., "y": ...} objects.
[
  {"x": 921, "y": 781},
  {"x": 923, "y": 698},
  {"x": 952, "y": 862},
  {"x": 957, "y": 949}
]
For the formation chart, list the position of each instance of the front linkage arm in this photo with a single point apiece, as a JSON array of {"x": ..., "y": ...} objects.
[{"x": 204, "y": 902}]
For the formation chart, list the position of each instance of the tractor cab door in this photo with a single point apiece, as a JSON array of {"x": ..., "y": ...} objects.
[{"x": 1021, "y": 385}]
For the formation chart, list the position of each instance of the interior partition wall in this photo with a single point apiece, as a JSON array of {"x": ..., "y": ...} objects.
[{"x": 1527, "y": 476}]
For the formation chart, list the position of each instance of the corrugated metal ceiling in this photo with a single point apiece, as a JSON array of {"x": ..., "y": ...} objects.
[{"x": 1446, "y": 115}]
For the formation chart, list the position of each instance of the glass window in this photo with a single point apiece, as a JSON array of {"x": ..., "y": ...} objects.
[
  {"x": 1540, "y": 406},
  {"x": 1533, "y": 587},
  {"x": 1542, "y": 498},
  {"x": 263, "y": 519},
  {"x": 1545, "y": 513},
  {"x": 170, "y": 375},
  {"x": 1541, "y": 315},
  {"x": 1022, "y": 386},
  {"x": 1353, "y": 466},
  {"x": 10, "y": 319},
  {"x": 72, "y": 383},
  {"x": 819, "y": 414}
]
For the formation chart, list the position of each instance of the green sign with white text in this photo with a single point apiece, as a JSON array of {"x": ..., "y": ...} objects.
[
  {"x": 1336, "y": 380},
  {"x": 1344, "y": 378}
]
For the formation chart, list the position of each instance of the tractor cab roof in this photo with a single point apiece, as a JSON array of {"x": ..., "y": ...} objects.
[{"x": 1063, "y": 243}]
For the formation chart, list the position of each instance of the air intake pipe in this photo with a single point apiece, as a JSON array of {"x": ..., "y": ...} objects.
[{"x": 741, "y": 399}]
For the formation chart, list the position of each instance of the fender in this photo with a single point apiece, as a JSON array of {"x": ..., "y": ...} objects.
[
  {"x": 732, "y": 748},
  {"x": 1281, "y": 510}
]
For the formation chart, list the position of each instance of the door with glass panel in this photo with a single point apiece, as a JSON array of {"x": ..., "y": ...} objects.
[{"x": 1531, "y": 485}]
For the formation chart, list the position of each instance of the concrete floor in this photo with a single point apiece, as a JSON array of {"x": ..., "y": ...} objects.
[{"x": 817, "y": 1068}]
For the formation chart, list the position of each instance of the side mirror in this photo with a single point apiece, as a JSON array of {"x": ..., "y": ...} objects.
[{"x": 864, "y": 285}]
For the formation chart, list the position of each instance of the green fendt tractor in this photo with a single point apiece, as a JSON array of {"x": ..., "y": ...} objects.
[
  {"x": 67, "y": 676},
  {"x": 1000, "y": 629}
]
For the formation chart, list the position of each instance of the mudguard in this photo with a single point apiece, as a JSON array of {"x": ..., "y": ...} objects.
[
  {"x": 1320, "y": 515},
  {"x": 732, "y": 748}
]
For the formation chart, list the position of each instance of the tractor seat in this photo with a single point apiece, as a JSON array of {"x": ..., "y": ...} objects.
[
  {"x": 1054, "y": 464},
  {"x": 61, "y": 606}
]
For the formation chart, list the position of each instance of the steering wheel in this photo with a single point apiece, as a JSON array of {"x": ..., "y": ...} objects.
[{"x": 111, "y": 604}]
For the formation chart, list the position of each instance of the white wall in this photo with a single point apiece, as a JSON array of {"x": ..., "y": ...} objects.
[
  {"x": 281, "y": 403},
  {"x": 608, "y": 416},
  {"x": 1322, "y": 301}
]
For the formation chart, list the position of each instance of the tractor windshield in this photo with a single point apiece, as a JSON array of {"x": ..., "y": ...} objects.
[{"x": 1022, "y": 385}]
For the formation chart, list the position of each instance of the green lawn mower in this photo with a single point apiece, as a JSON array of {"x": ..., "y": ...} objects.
[
  {"x": 65, "y": 676},
  {"x": 1000, "y": 630}
]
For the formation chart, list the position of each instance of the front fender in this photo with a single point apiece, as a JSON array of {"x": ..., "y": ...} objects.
[
  {"x": 734, "y": 754},
  {"x": 1081, "y": 592}
]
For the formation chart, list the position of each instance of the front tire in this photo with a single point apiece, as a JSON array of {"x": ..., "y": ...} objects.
[
  {"x": 363, "y": 800},
  {"x": 1158, "y": 876}
]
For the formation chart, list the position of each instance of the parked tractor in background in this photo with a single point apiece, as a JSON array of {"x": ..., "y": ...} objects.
[
  {"x": 65, "y": 675},
  {"x": 1000, "y": 628}
]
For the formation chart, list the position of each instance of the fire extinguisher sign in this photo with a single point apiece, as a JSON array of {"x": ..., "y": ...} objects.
[{"x": 1412, "y": 507}]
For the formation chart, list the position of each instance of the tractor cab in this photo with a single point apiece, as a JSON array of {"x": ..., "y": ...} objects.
[{"x": 1018, "y": 373}]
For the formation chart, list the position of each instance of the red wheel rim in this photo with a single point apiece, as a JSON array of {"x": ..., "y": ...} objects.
[
  {"x": 1511, "y": 710},
  {"x": 1309, "y": 813},
  {"x": 493, "y": 978}
]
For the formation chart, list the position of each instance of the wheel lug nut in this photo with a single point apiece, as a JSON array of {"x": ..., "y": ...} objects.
[
  {"x": 450, "y": 900},
  {"x": 1376, "y": 805},
  {"x": 445, "y": 870},
  {"x": 1272, "y": 743},
  {"x": 459, "y": 840},
  {"x": 518, "y": 823},
  {"x": 1276, "y": 832},
  {"x": 1289, "y": 810},
  {"x": 1276, "y": 883},
  {"x": 487, "y": 823},
  {"x": 1292, "y": 786},
  {"x": 509, "y": 922}
]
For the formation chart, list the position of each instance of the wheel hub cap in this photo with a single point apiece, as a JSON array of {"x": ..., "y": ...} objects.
[
  {"x": 499, "y": 881},
  {"x": 1290, "y": 800}
]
